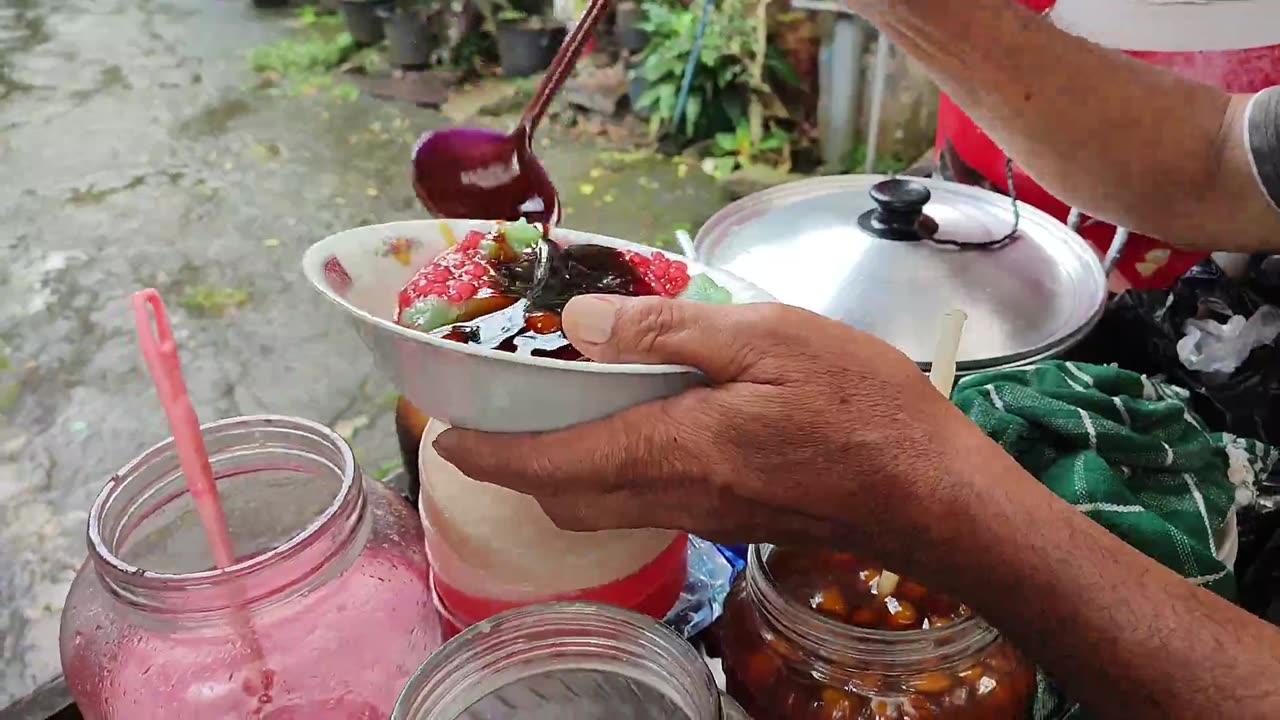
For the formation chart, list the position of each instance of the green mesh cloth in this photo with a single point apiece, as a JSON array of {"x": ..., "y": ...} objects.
[{"x": 1125, "y": 450}]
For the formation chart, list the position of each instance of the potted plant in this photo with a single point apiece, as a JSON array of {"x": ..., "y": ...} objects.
[
  {"x": 408, "y": 38},
  {"x": 363, "y": 21},
  {"x": 628, "y": 17},
  {"x": 526, "y": 43}
]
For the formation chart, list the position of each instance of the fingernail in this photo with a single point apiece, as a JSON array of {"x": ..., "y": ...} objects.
[{"x": 590, "y": 318}]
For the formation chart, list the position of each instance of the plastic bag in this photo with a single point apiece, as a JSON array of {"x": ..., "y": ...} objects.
[
  {"x": 1140, "y": 331},
  {"x": 705, "y": 589},
  {"x": 1211, "y": 346}
]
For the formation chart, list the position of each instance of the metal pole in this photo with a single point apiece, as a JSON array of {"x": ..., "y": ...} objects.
[
  {"x": 881, "y": 72},
  {"x": 848, "y": 43}
]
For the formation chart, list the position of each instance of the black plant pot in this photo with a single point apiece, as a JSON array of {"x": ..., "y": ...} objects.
[
  {"x": 408, "y": 41},
  {"x": 626, "y": 27},
  {"x": 363, "y": 21},
  {"x": 636, "y": 86},
  {"x": 270, "y": 4},
  {"x": 526, "y": 50}
]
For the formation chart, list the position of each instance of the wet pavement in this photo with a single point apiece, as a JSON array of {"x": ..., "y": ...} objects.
[{"x": 137, "y": 150}]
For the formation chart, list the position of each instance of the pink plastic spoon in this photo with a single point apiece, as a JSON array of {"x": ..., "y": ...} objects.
[{"x": 161, "y": 355}]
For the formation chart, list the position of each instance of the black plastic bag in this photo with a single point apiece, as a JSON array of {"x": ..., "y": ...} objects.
[{"x": 1141, "y": 329}]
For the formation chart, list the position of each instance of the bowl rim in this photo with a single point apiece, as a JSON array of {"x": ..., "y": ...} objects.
[{"x": 313, "y": 260}]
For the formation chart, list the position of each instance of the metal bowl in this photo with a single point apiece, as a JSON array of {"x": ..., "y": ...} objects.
[{"x": 361, "y": 270}]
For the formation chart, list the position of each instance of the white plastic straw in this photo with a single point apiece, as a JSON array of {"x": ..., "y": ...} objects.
[
  {"x": 942, "y": 374},
  {"x": 943, "y": 371}
]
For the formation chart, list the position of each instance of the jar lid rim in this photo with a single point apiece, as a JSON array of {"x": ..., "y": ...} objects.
[
  {"x": 107, "y": 556},
  {"x": 826, "y": 631}
]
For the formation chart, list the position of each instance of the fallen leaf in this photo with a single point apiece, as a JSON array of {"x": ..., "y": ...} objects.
[
  {"x": 586, "y": 188},
  {"x": 371, "y": 191},
  {"x": 596, "y": 172},
  {"x": 271, "y": 242}
]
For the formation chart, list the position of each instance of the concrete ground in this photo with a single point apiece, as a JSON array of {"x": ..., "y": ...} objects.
[{"x": 136, "y": 150}]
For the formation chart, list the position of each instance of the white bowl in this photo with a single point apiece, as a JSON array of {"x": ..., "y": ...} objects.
[{"x": 362, "y": 270}]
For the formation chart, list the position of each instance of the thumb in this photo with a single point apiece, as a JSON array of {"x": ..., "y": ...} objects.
[{"x": 712, "y": 338}]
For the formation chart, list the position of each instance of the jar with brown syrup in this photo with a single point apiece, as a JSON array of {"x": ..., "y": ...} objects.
[
  {"x": 823, "y": 635},
  {"x": 411, "y": 423}
]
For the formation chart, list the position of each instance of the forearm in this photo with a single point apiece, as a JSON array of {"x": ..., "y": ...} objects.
[
  {"x": 1122, "y": 634},
  {"x": 1116, "y": 137}
]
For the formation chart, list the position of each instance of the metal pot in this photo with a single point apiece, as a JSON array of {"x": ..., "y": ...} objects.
[{"x": 891, "y": 256}]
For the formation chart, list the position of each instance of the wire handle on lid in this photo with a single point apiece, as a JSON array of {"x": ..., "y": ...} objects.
[{"x": 160, "y": 352}]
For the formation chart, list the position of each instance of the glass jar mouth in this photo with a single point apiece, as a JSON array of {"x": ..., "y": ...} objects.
[
  {"x": 905, "y": 649},
  {"x": 557, "y": 636},
  {"x": 157, "y": 466}
]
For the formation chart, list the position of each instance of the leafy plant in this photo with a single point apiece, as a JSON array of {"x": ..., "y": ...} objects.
[
  {"x": 310, "y": 15},
  {"x": 856, "y": 162},
  {"x": 732, "y": 150},
  {"x": 304, "y": 63},
  {"x": 732, "y": 71},
  {"x": 512, "y": 15}
]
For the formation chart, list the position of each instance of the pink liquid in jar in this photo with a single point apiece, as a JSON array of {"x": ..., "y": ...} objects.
[{"x": 325, "y": 614}]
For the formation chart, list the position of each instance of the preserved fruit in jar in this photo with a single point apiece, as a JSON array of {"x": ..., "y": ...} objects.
[{"x": 823, "y": 635}]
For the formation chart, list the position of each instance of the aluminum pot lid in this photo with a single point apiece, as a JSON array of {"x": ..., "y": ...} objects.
[{"x": 891, "y": 256}]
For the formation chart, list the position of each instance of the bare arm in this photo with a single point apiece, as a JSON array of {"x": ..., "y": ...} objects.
[
  {"x": 813, "y": 433},
  {"x": 1116, "y": 137},
  {"x": 1124, "y": 635}
]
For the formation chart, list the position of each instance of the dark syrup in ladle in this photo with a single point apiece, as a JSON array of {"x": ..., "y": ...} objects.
[{"x": 488, "y": 175}]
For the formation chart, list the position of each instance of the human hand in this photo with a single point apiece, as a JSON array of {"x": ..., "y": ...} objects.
[{"x": 810, "y": 432}]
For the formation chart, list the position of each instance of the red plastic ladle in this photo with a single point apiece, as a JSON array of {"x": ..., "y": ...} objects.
[{"x": 487, "y": 175}]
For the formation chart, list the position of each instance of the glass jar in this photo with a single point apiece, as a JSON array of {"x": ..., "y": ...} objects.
[
  {"x": 325, "y": 614},
  {"x": 410, "y": 425},
  {"x": 788, "y": 660},
  {"x": 566, "y": 661},
  {"x": 493, "y": 549}
]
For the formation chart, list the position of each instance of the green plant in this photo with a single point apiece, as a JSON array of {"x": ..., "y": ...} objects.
[
  {"x": 733, "y": 72},
  {"x": 512, "y": 15},
  {"x": 856, "y": 162},
  {"x": 732, "y": 150},
  {"x": 304, "y": 63},
  {"x": 311, "y": 15}
]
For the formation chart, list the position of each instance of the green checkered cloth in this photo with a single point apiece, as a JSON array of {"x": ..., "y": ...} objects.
[{"x": 1125, "y": 450}]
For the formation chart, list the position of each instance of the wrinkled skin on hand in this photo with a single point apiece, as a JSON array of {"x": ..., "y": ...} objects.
[{"x": 809, "y": 432}]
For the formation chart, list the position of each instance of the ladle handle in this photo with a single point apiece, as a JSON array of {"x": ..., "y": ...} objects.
[{"x": 561, "y": 65}]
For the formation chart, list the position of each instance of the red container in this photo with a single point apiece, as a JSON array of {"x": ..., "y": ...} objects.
[
  {"x": 1232, "y": 45},
  {"x": 492, "y": 549},
  {"x": 652, "y": 590}
]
